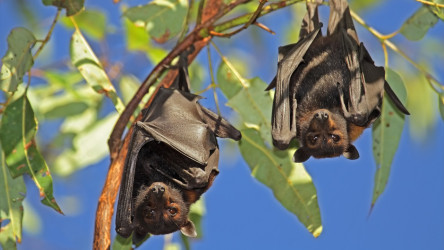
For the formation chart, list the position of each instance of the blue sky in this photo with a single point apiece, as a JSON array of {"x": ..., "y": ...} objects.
[{"x": 241, "y": 212}]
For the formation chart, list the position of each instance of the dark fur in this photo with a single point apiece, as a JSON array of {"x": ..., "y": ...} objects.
[{"x": 319, "y": 112}]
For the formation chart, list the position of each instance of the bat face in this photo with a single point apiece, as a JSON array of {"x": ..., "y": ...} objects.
[
  {"x": 160, "y": 209},
  {"x": 325, "y": 134}
]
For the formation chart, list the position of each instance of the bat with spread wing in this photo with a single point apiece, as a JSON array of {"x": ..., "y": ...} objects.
[
  {"x": 172, "y": 160},
  {"x": 328, "y": 89}
]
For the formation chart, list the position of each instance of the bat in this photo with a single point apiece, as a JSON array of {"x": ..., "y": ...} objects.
[
  {"x": 328, "y": 89},
  {"x": 172, "y": 160}
]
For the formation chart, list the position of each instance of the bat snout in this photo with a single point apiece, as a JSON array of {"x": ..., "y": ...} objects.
[
  {"x": 158, "y": 190},
  {"x": 322, "y": 115}
]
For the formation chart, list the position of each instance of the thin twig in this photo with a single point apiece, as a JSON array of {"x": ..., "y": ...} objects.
[
  {"x": 434, "y": 83},
  {"x": 230, "y": 66},
  {"x": 262, "y": 26},
  {"x": 186, "y": 23},
  {"x": 48, "y": 35},
  {"x": 246, "y": 25},
  {"x": 210, "y": 68},
  {"x": 199, "y": 12},
  {"x": 240, "y": 20},
  {"x": 431, "y": 3},
  {"x": 210, "y": 86}
]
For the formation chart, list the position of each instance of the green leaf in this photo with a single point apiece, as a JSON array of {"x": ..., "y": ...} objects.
[
  {"x": 55, "y": 102},
  {"x": 291, "y": 184},
  {"x": 197, "y": 76},
  {"x": 387, "y": 132},
  {"x": 17, "y": 136},
  {"x": 121, "y": 243},
  {"x": 439, "y": 11},
  {"x": 89, "y": 147},
  {"x": 363, "y": 4},
  {"x": 92, "y": 22},
  {"x": 17, "y": 60},
  {"x": 12, "y": 193},
  {"x": 197, "y": 212},
  {"x": 254, "y": 105},
  {"x": 32, "y": 223},
  {"x": 419, "y": 23},
  {"x": 72, "y": 6},
  {"x": 137, "y": 39},
  {"x": 128, "y": 85},
  {"x": 422, "y": 106},
  {"x": 162, "y": 19},
  {"x": 441, "y": 105},
  {"x": 91, "y": 69},
  {"x": 229, "y": 81},
  {"x": 171, "y": 246},
  {"x": 68, "y": 109}
]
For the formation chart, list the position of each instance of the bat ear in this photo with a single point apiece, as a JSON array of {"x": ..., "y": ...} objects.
[
  {"x": 351, "y": 153},
  {"x": 301, "y": 155},
  {"x": 188, "y": 229}
]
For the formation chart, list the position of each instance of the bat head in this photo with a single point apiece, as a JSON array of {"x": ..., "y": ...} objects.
[
  {"x": 324, "y": 134},
  {"x": 161, "y": 209}
]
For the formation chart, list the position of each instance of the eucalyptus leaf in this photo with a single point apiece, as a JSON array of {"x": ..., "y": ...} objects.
[
  {"x": 196, "y": 214},
  {"x": 72, "y": 6},
  {"x": 121, "y": 243},
  {"x": 17, "y": 60},
  {"x": 17, "y": 136},
  {"x": 91, "y": 69},
  {"x": 439, "y": 11},
  {"x": 12, "y": 193},
  {"x": 138, "y": 39},
  {"x": 92, "y": 22},
  {"x": 162, "y": 19},
  {"x": 228, "y": 80},
  {"x": 387, "y": 132},
  {"x": 422, "y": 106},
  {"x": 441, "y": 105},
  {"x": 419, "y": 23},
  {"x": 291, "y": 184},
  {"x": 128, "y": 86},
  {"x": 89, "y": 147},
  {"x": 254, "y": 105}
]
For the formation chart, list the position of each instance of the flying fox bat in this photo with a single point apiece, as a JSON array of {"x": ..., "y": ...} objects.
[
  {"x": 172, "y": 160},
  {"x": 328, "y": 89}
]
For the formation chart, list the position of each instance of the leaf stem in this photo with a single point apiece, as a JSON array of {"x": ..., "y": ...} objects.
[
  {"x": 210, "y": 68},
  {"x": 48, "y": 35},
  {"x": 186, "y": 23},
  {"x": 434, "y": 83},
  {"x": 232, "y": 68},
  {"x": 431, "y": 3},
  {"x": 199, "y": 12},
  {"x": 219, "y": 28},
  {"x": 250, "y": 21}
]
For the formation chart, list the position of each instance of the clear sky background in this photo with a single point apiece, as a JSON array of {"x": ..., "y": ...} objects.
[{"x": 241, "y": 213}]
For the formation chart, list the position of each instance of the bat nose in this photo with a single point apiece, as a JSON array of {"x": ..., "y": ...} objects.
[
  {"x": 158, "y": 190},
  {"x": 321, "y": 115}
]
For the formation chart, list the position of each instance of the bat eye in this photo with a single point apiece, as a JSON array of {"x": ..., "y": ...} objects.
[
  {"x": 150, "y": 213},
  {"x": 172, "y": 211},
  {"x": 313, "y": 139},
  {"x": 335, "y": 138}
]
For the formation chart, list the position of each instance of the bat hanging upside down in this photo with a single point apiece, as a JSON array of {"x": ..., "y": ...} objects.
[
  {"x": 172, "y": 160},
  {"x": 328, "y": 89}
]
